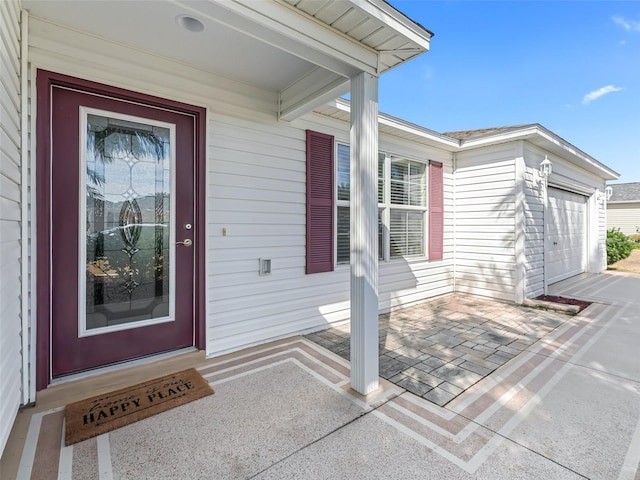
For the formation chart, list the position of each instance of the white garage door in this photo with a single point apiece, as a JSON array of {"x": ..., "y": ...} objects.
[{"x": 566, "y": 234}]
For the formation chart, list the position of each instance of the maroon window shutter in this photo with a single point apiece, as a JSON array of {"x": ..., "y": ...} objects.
[
  {"x": 319, "y": 202},
  {"x": 436, "y": 210}
]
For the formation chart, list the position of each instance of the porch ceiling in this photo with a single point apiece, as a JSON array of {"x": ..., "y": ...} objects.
[{"x": 304, "y": 50}]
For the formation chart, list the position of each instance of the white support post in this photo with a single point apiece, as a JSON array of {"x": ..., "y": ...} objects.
[{"x": 364, "y": 233}]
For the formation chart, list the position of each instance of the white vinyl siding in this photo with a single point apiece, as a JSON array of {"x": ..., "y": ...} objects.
[
  {"x": 624, "y": 216},
  {"x": 10, "y": 214},
  {"x": 257, "y": 193},
  {"x": 534, "y": 234},
  {"x": 485, "y": 222},
  {"x": 263, "y": 215},
  {"x": 256, "y": 176},
  {"x": 599, "y": 262}
]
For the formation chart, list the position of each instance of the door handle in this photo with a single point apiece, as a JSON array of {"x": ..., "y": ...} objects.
[{"x": 187, "y": 242}]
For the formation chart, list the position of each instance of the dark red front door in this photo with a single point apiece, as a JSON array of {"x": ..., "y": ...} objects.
[{"x": 122, "y": 230}]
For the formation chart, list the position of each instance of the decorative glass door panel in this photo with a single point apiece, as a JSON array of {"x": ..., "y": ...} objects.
[
  {"x": 122, "y": 190},
  {"x": 126, "y": 222}
]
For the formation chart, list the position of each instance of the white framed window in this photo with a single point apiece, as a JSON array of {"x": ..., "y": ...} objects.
[
  {"x": 407, "y": 207},
  {"x": 402, "y": 206}
]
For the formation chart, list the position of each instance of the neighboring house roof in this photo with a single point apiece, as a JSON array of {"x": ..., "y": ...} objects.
[
  {"x": 625, "y": 192},
  {"x": 465, "y": 140}
]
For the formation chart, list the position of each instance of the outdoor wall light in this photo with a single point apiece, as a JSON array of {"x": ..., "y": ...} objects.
[
  {"x": 605, "y": 196},
  {"x": 608, "y": 192},
  {"x": 545, "y": 169}
]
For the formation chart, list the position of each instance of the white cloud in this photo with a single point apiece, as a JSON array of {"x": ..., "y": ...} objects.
[
  {"x": 628, "y": 25},
  {"x": 428, "y": 73},
  {"x": 591, "y": 96}
]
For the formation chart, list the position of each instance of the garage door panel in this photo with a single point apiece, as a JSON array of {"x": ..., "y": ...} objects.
[
  {"x": 568, "y": 242},
  {"x": 566, "y": 232}
]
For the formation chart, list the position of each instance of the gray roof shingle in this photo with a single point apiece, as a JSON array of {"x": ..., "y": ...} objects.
[
  {"x": 486, "y": 132},
  {"x": 625, "y": 192}
]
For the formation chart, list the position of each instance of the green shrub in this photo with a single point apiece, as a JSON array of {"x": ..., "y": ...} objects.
[{"x": 618, "y": 246}]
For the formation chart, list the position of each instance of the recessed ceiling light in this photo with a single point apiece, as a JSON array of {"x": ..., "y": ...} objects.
[{"x": 190, "y": 23}]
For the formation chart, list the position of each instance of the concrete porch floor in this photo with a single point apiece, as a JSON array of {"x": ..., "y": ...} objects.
[{"x": 566, "y": 406}]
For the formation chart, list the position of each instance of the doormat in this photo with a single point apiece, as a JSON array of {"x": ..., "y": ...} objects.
[{"x": 104, "y": 413}]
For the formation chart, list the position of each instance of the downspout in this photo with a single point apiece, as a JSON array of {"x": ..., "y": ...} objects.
[{"x": 27, "y": 395}]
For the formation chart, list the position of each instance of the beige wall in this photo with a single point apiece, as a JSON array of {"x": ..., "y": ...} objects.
[{"x": 625, "y": 216}]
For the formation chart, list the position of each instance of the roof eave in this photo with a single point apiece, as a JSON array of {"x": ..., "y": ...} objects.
[
  {"x": 351, "y": 53},
  {"x": 418, "y": 37},
  {"x": 397, "y": 20},
  {"x": 446, "y": 143},
  {"x": 550, "y": 139},
  {"x": 528, "y": 132}
]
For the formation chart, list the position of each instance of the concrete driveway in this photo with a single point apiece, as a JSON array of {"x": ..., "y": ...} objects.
[{"x": 568, "y": 406}]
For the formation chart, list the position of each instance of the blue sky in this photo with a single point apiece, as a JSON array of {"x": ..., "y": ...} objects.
[{"x": 572, "y": 66}]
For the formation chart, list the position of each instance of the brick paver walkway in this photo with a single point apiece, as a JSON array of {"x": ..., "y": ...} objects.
[{"x": 440, "y": 348}]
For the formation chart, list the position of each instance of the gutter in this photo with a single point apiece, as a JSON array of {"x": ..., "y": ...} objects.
[
  {"x": 537, "y": 130},
  {"x": 447, "y": 143},
  {"x": 528, "y": 132}
]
